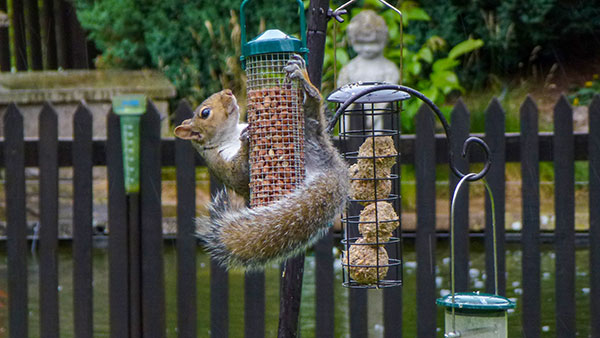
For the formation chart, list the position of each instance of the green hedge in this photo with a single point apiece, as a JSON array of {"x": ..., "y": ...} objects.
[
  {"x": 517, "y": 33},
  {"x": 195, "y": 42}
]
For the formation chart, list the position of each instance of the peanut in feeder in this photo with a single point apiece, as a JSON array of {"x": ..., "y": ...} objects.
[{"x": 275, "y": 114}]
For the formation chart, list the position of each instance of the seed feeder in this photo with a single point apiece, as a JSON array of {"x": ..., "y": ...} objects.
[
  {"x": 130, "y": 109},
  {"x": 473, "y": 314},
  {"x": 275, "y": 114}
]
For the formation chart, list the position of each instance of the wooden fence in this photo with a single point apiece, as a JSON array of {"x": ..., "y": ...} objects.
[
  {"x": 136, "y": 280},
  {"x": 43, "y": 37}
]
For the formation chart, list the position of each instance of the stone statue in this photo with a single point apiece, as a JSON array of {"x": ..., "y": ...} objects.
[{"x": 368, "y": 34}]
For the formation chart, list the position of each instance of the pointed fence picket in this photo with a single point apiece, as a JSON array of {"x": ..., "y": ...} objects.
[{"x": 136, "y": 277}]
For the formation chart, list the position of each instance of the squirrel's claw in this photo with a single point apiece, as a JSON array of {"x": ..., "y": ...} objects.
[{"x": 294, "y": 67}]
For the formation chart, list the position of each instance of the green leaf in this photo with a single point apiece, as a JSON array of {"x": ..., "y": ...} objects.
[
  {"x": 425, "y": 54},
  {"x": 445, "y": 80},
  {"x": 465, "y": 47},
  {"x": 342, "y": 56},
  {"x": 414, "y": 67},
  {"x": 445, "y": 64},
  {"x": 416, "y": 13}
]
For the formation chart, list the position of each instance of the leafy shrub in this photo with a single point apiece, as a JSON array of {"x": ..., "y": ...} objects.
[
  {"x": 196, "y": 43},
  {"x": 518, "y": 34},
  {"x": 428, "y": 67}
]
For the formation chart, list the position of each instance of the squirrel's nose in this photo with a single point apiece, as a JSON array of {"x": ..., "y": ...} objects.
[{"x": 228, "y": 92}]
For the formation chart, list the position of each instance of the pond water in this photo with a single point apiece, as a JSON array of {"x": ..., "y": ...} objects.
[{"x": 236, "y": 293}]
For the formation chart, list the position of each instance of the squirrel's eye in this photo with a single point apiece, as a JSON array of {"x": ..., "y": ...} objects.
[{"x": 205, "y": 113}]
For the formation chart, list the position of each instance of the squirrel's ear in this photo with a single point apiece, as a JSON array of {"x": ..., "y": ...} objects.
[{"x": 184, "y": 131}]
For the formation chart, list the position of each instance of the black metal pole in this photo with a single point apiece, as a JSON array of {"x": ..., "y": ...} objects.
[{"x": 293, "y": 270}]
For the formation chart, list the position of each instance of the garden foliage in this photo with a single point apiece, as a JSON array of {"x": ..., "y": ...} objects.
[
  {"x": 196, "y": 43},
  {"x": 517, "y": 33}
]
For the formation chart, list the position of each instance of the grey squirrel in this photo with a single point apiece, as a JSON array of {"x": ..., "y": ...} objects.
[{"x": 254, "y": 238}]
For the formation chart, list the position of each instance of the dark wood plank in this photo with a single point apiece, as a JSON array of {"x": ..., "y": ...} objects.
[
  {"x": 254, "y": 304},
  {"x": 186, "y": 242},
  {"x": 82, "y": 222},
  {"x": 290, "y": 291},
  {"x": 48, "y": 34},
  {"x": 16, "y": 225},
  {"x": 118, "y": 250},
  {"x": 594, "y": 153},
  {"x": 564, "y": 202},
  {"x": 4, "y": 42},
  {"x": 358, "y": 301},
  {"x": 48, "y": 128},
  {"x": 530, "y": 190},
  {"x": 494, "y": 137},
  {"x": 392, "y": 297},
  {"x": 324, "y": 279},
  {"x": 78, "y": 53},
  {"x": 32, "y": 24},
  {"x": 460, "y": 127},
  {"x": 60, "y": 31},
  {"x": 219, "y": 287},
  {"x": 134, "y": 246},
  {"x": 425, "y": 242},
  {"x": 153, "y": 282},
  {"x": 19, "y": 35}
]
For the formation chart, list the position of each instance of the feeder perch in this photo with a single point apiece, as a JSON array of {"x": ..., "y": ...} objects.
[
  {"x": 275, "y": 114},
  {"x": 130, "y": 109},
  {"x": 370, "y": 137},
  {"x": 476, "y": 315}
]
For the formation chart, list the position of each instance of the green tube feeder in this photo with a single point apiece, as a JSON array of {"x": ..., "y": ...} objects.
[
  {"x": 474, "y": 314},
  {"x": 130, "y": 108}
]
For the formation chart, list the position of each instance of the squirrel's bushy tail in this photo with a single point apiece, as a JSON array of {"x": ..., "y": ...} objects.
[{"x": 254, "y": 238}]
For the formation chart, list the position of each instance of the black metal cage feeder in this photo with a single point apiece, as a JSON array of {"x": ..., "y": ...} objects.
[{"x": 369, "y": 131}]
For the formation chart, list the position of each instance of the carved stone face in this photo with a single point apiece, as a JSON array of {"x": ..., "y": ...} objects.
[
  {"x": 368, "y": 49},
  {"x": 367, "y": 34}
]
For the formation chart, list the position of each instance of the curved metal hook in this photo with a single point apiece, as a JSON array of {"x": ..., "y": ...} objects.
[{"x": 466, "y": 145}]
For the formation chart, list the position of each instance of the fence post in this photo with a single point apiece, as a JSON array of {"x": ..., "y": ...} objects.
[
  {"x": 82, "y": 222},
  {"x": 17, "y": 22},
  {"x": 16, "y": 224},
  {"x": 4, "y": 42},
  {"x": 48, "y": 163},
  {"x": 186, "y": 242},
  {"x": 118, "y": 250},
  {"x": 594, "y": 205},
  {"x": 494, "y": 131},
  {"x": 78, "y": 52},
  {"x": 530, "y": 194},
  {"x": 48, "y": 35},
  {"x": 153, "y": 285},
  {"x": 219, "y": 287},
  {"x": 460, "y": 132},
  {"x": 32, "y": 24},
  {"x": 425, "y": 242},
  {"x": 60, "y": 30},
  {"x": 564, "y": 204}
]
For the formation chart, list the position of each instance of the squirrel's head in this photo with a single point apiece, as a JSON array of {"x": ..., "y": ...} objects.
[{"x": 214, "y": 116}]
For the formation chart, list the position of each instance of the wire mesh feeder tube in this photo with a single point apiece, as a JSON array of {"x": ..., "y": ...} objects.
[
  {"x": 370, "y": 137},
  {"x": 276, "y": 129}
]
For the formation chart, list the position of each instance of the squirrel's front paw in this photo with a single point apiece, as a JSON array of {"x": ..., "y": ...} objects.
[{"x": 294, "y": 67}]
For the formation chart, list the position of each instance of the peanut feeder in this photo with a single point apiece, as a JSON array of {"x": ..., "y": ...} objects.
[{"x": 275, "y": 114}]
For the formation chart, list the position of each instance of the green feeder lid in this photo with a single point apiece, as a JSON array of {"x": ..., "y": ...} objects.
[
  {"x": 273, "y": 41},
  {"x": 476, "y": 301}
]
